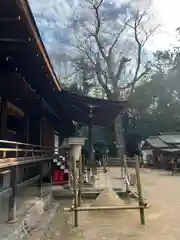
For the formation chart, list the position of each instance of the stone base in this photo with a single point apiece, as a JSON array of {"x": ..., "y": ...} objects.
[
  {"x": 12, "y": 221},
  {"x": 22, "y": 228}
]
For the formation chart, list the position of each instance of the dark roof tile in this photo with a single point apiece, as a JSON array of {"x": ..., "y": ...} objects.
[{"x": 156, "y": 142}]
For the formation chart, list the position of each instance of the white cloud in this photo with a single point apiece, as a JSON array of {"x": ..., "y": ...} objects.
[
  {"x": 167, "y": 13},
  {"x": 52, "y": 18}
]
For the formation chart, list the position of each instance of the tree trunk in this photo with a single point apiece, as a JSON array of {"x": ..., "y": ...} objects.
[{"x": 119, "y": 134}]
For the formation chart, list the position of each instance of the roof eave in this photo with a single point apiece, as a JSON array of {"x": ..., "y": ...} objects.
[{"x": 33, "y": 27}]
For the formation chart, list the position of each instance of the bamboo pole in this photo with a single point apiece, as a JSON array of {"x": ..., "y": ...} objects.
[
  {"x": 122, "y": 169},
  {"x": 125, "y": 165},
  {"x": 105, "y": 208},
  {"x": 139, "y": 190},
  {"x": 134, "y": 193},
  {"x": 126, "y": 178},
  {"x": 126, "y": 172},
  {"x": 75, "y": 192}
]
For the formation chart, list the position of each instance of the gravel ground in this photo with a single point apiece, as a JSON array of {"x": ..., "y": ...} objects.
[{"x": 162, "y": 219}]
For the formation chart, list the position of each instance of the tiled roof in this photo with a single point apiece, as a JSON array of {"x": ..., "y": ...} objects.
[
  {"x": 169, "y": 133},
  {"x": 156, "y": 142},
  {"x": 173, "y": 138},
  {"x": 171, "y": 150}
]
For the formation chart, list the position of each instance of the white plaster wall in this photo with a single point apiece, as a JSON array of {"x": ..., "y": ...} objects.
[{"x": 145, "y": 153}]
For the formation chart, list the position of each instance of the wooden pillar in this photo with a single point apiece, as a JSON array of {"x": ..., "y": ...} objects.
[
  {"x": 35, "y": 129},
  {"x": 51, "y": 177},
  {"x": 12, "y": 218},
  {"x": 51, "y": 171},
  {"x": 75, "y": 191},
  {"x": 41, "y": 180},
  {"x": 3, "y": 119},
  {"x": 35, "y": 137},
  {"x": 90, "y": 141},
  {"x": 80, "y": 181},
  {"x": 91, "y": 157},
  {"x": 90, "y": 150}
]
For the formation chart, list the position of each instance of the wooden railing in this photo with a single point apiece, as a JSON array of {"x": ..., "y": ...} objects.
[
  {"x": 16, "y": 156},
  {"x": 117, "y": 162},
  {"x": 17, "y": 153}
]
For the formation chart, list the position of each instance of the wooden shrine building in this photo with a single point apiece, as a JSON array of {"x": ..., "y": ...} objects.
[
  {"x": 91, "y": 111},
  {"x": 30, "y": 110},
  {"x": 33, "y": 106}
]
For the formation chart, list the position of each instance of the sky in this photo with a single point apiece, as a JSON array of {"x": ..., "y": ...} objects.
[
  {"x": 51, "y": 15},
  {"x": 168, "y": 14}
]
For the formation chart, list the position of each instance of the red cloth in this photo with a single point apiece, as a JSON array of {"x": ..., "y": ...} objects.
[{"x": 59, "y": 177}]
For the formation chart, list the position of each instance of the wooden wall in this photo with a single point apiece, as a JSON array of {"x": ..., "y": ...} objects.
[
  {"x": 3, "y": 118},
  {"x": 48, "y": 133},
  {"x": 34, "y": 129}
]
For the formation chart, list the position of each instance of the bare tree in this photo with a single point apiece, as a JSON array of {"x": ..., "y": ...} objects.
[{"x": 113, "y": 49}]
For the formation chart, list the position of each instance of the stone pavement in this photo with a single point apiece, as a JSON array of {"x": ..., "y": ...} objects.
[
  {"x": 28, "y": 200},
  {"x": 102, "y": 180}
]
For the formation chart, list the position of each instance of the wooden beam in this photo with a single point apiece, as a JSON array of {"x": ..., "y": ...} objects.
[
  {"x": 15, "y": 110},
  {"x": 9, "y": 19},
  {"x": 12, "y": 41}
]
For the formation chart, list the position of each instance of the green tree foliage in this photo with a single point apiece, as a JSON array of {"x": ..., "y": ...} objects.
[
  {"x": 107, "y": 68},
  {"x": 155, "y": 104}
]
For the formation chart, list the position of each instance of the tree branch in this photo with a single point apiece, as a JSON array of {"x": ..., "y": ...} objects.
[
  {"x": 99, "y": 54},
  {"x": 98, "y": 28},
  {"x": 103, "y": 84},
  {"x": 138, "y": 24},
  {"x": 100, "y": 79},
  {"x": 116, "y": 39},
  {"x": 99, "y": 71},
  {"x": 139, "y": 45},
  {"x": 149, "y": 34}
]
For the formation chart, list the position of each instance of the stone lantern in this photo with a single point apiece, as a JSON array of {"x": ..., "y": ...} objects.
[{"x": 75, "y": 144}]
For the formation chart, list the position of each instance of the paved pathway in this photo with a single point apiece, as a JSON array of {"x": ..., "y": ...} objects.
[
  {"x": 27, "y": 197},
  {"x": 162, "y": 220}
]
